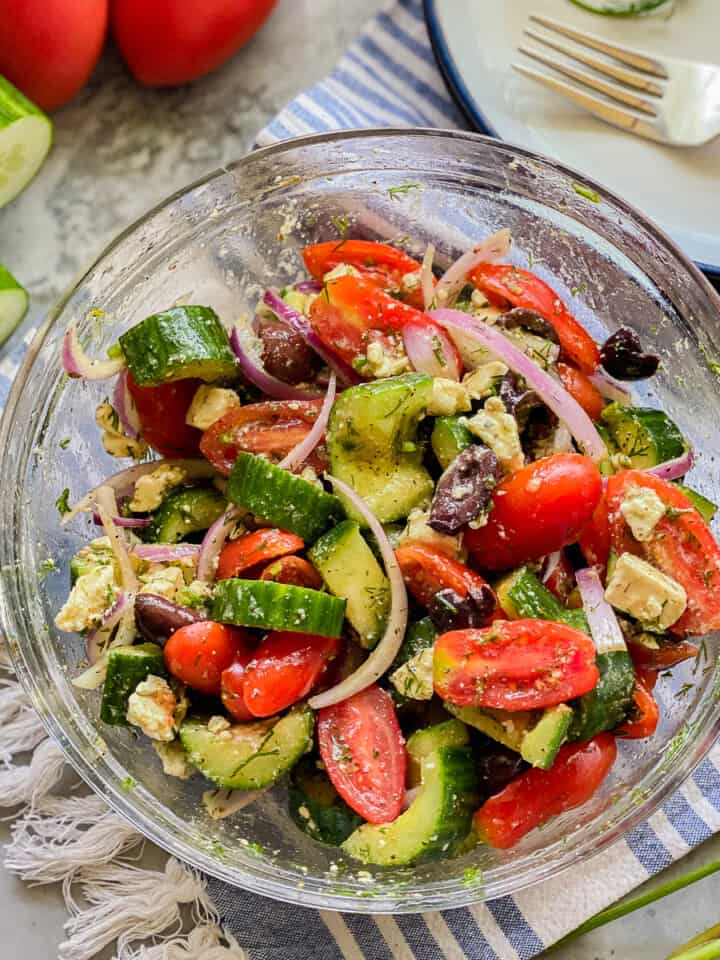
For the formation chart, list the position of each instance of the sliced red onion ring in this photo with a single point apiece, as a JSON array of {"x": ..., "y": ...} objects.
[
  {"x": 253, "y": 370},
  {"x": 610, "y": 388},
  {"x": 96, "y": 639},
  {"x": 307, "y": 286},
  {"x": 454, "y": 279},
  {"x": 127, "y": 522},
  {"x": 550, "y": 565},
  {"x": 213, "y": 542},
  {"x": 427, "y": 279},
  {"x": 302, "y": 450},
  {"x": 166, "y": 552},
  {"x": 76, "y": 362},
  {"x": 298, "y": 322},
  {"x": 384, "y": 653},
  {"x": 107, "y": 509},
  {"x": 604, "y": 626},
  {"x": 550, "y": 391},
  {"x": 430, "y": 350},
  {"x": 673, "y": 469},
  {"x": 125, "y": 407}
]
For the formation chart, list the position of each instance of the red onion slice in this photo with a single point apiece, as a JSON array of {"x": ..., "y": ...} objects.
[
  {"x": 550, "y": 565},
  {"x": 213, "y": 542},
  {"x": 604, "y": 627},
  {"x": 552, "y": 393},
  {"x": 107, "y": 509},
  {"x": 610, "y": 388},
  {"x": 308, "y": 286},
  {"x": 493, "y": 248},
  {"x": 76, "y": 362},
  {"x": 673, "y": 469},
  {"x": 427, "y": 279},
  {"x": 166, "y": 552},
  {"x": 253, "y": 370},
  {"x": 385, "y": 652},
  {"x": 125, "y": 407},
  {"x": 302, "y": 450},
  {"x": 430, "y": 350},
  {"x": 96, "y": 639},
  {"x": 128, "y": 522}
]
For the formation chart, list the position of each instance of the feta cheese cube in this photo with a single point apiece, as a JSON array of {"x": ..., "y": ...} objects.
[
  {"x": 448, "y": 397},
  {"x": 642, "y": 509},
  {"x": 93, "y": 593},
  {"x": 499, "y": 430},
  {"x": 152, "y": 708},
  {"x": 642, "y": 591},
  {"x": 151, "y": 488},
  {"x": 481, "y": 382},
  {"x": 209, "y": 404},
  {"x": 114, "y": 439},
  {"x": 414, "y": 679}
]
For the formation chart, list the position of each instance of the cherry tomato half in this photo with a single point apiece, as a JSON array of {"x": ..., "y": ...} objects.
[
  {"x": 232, "y": 682},
  {"x": 537, "y": 510},
  {"x": 162, "y": 411},
  {"x": 667, "y": 654},
  {"x": 514, "y": 665},
  {"x": 363, "y": 750},
  {"x": 293, "y": 570},
  {"x": 427, "y": 571},
  {"x": 537, "y": 795},
  {"x": 579, "y": 386},
  {"x": 644, "y": 715},
  {"x": 254, "y": 548},
  {"x": 594, "y": 539},
  {"x": 284, "y": 669},
  {"x": 198, "y": 653}
]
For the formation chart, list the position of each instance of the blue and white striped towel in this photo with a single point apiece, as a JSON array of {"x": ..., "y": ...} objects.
[{"x": 388, "y": 77}]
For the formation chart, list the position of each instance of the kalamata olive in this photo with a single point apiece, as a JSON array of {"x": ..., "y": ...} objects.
[
  {"x": 530, "y": 321},
  {"x": 285, "y": 354},
  {"x": 623, "y": 357},
  {"x": 157, "y": 618},
  {"x": 518, "y": 400},
  {"x": 498, "y": 765},
  {"x": 450, "y": 611},
  {"x": 464, "y": 490}
]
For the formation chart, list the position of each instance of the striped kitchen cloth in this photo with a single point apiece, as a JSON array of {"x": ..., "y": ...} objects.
[{"x": 389, "y": 77}]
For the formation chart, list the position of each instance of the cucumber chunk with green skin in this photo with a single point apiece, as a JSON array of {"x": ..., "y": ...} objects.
[
  {"x": 248, "y": 756},
  {"x": 419, "y": 636},
  {"x": 449, "y": 438},
  {"x": 277, "y": 606},
  {"x": 281, "y": 499},
  {"x": 126, "y": 668},
  {"x": 437, "y": 823},
  {"x": 450, "y": 733},
  {"x": 522, "y": 596},
  {"x": 706, "y": 508},
  {"x": 184, "y": 512},
  {"x": 349, "y": 570},
  {"x": 14, "y": 300},
  {"x": 536, "y": 736},
  {"x": 183, "y": 342},
  {"x": 317, "y": 808},
  {"x": 621, "y": 8},
  {"x": 646, "y": 437},
  {"x": 540, "y": 745},
  {"x": 25, "y": 138},
  {"x": 372, "y": 444}
]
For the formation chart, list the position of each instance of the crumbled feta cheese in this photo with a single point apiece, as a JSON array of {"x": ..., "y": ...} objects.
[
  {"x": 499, "y": 430},
  {"x": 482, "y": 381},
  {"x": 173, "y": 758},
  {"x": 414, "y": 679},
  {"x": 642, "y": 509},
  {"x": 114, "y": 438},
  {"x": 218, "y": 724},
  {"x": 93, "y": 593},
  {"x": 379, "y": 364},
  {"x": 417, "y": 530},
  {"x": 209, "y": 404},
  {"x": 478, "y": 299},
  {"x": 310, "y": 476},
  {"x": 448, "y": 397},
  {"x": 544, "y": 352},
  {"x": 298, "y": 301},
  {"x": 645, "y": 593},
  {"x": 165, "y": 581},
  {"x": 152, "y": 487},
  {"x": 152, "y": 708},
  {"x": 341, "y": 270},
  {"x": 411, "y": 281}
]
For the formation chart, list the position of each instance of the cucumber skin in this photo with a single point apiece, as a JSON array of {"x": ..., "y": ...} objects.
[
  {"x": 282, "y": 499},
  {"x": 277, "y": 606},
  {"x": 183, "y": 512},
  {"x": 664, "y": 439},
  {"x": 185, "y": 341},
  {"x": 14, "y": 105},
  {"x": 328, "y": 823},
  {"x": 128, "y": 667},
  {"x": 635, "y": 7},
  {"x": 449, "y": 438}
]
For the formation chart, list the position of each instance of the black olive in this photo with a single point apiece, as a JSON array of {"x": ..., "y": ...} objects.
[
  {"x": 623, "y": 357},
  {"x": 157, "y": 618},
  {"x": 449, "y": 610},
  {"x": 464, "y": 490},
  {"x": 498, "y": 766},
  {"x": 530, "y": 321},
  {"x": 518, "y": 400},
  {"x": 286, "y": 355}
]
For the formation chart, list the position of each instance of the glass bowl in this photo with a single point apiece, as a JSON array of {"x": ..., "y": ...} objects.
[{"x": 220, "y": 242}]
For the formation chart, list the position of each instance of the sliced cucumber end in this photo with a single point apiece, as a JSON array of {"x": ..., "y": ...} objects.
[
  {"x": 24, "y": 144},
  {"x": 13, "y": 307}
]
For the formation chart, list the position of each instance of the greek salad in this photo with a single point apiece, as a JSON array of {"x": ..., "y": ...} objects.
[{"x": 408, "y": 543}]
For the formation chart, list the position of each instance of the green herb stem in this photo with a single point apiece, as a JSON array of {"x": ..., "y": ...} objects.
[{"x": 706, "y": 951}]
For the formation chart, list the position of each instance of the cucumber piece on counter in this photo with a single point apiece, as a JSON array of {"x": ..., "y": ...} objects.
[
  {"x": 126, "y": 668},
  {"x": 281, "y": 499},
  {"x": 277, "y": 606},
  {"x": 179, "y": 343},
  {"x": 621, "y": 8},
  {"x": 706, "y": 508},
  {"x": 248, "y": 756},
  {"x": 184, "y": 512},
  {"x": 449, "y": 438},
  {"x": 316, "y": 806},
  {"x": 25, "y": 138},
  {"x": 14, "y": 300},
  {"x": 349, "y": 570},
  {"x": 647, "y": 437}
]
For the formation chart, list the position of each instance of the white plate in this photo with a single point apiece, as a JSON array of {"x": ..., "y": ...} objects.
[{"x": 679, "y": 188}]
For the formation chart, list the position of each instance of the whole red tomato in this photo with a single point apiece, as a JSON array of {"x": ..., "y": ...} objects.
[
  {"x": 169, "y": 42},
  {"x": 48, "y": 48}
]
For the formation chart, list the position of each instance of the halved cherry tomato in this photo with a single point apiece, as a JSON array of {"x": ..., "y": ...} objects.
[
  {"x": 427, "y": 571},
  {"x": 254, "y": 548},
  {"x": 644, "y": 715},
  {"x": 594, "y": 539},
  {"x": 293, "y": 570},
  {"x": 537, "y": 510},
  {"x": 232, "y": 681},
  {"x": 162, "y": 411},
  {"x": 682, "y": 547},
  {"x": 667, "y": 654},
  {"x": 514, "y": 665},
  {"x": 579, "y": 386},
  {"x": 505, "y": 284},
  {"x": 351, "y": 313},
  {"x": 648, "y": 677},
  {"x": 198, "y": 653},
  {"x": 379, "y": 263},
  {"x": 284, "y": 669},
  {"x": 537, "y": 795},
  {"x": 363, "y": 750},
  {"x": 271, "y": 428}
]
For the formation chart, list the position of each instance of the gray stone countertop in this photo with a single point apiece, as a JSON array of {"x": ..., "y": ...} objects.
[{"x": 119, "y": 149}]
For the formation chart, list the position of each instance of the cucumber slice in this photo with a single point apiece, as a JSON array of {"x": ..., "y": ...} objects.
[
  {"x": 451, "y": 733},
  {"x": 183, "y": 342},
  {"x": 647, "y": 437},
  {"x": 522, "y": 596},
  {"x": 126, "y": 668},
  {"x": 184, "y": 512},
  {"x": 541, "y": 744},
  {"x": 316, "y": 806},
  {"x": 25, "y": 138},
  {"x": 706, "y": 508},
  {"x": 277, "y": 606},
  {"x": 14, "y": 301},
  {"x": 248, "y": 756},
  {"x": 281, "y": 499},
  {"x": 449, "y": 438},
  {"x": 622, "y": 8},
  {"x": 349, "y": 569}
]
